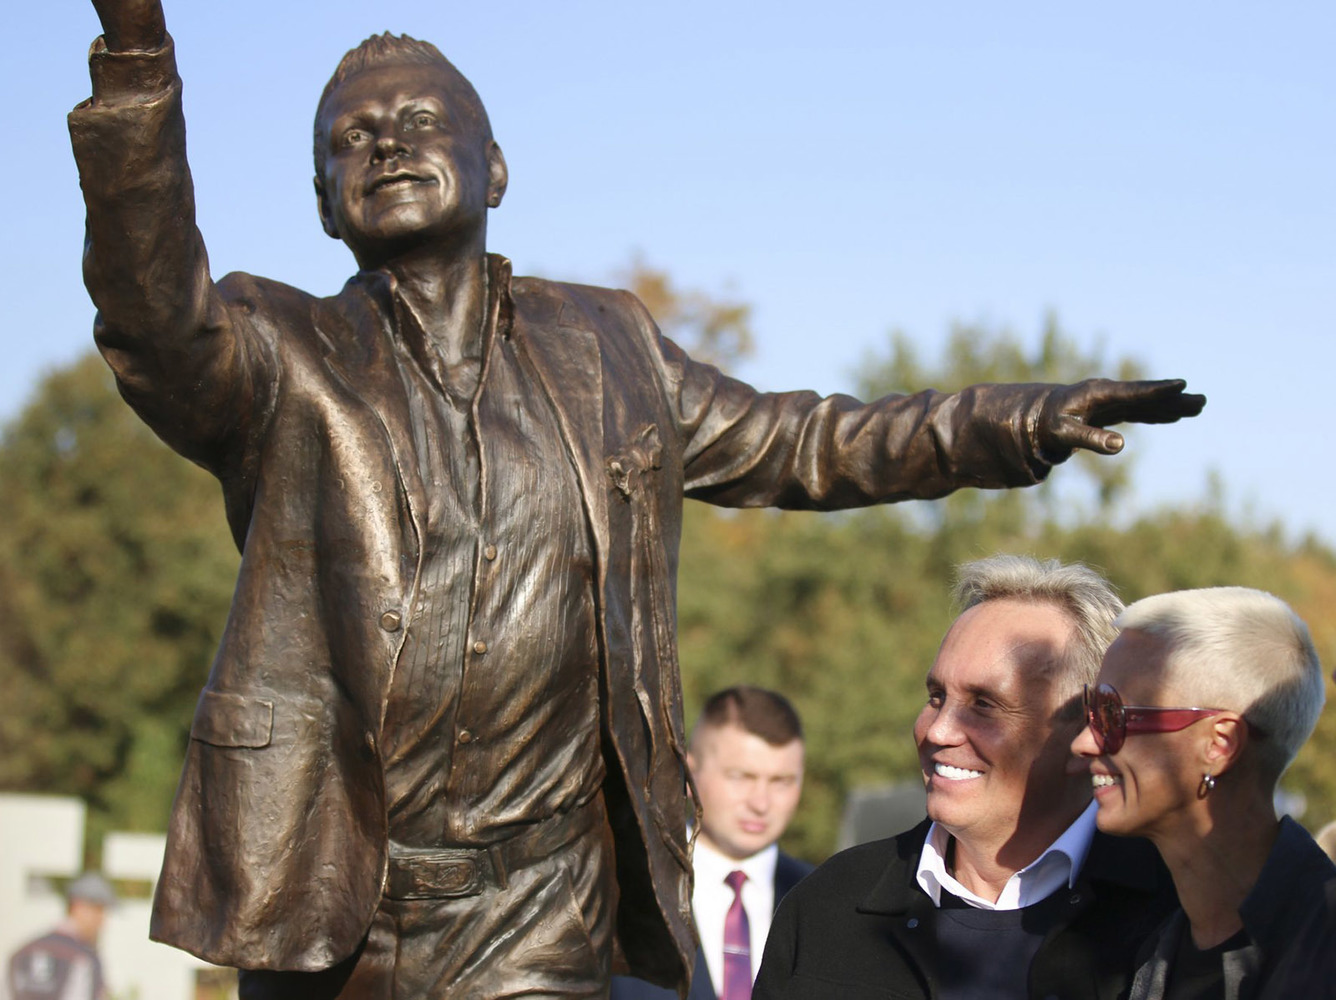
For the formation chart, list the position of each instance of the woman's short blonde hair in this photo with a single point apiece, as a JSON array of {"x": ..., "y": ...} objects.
[{"x": 1244, "y": 650}]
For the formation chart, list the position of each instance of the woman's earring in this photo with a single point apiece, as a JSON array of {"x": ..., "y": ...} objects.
[{"x": 1207, "y": 785}]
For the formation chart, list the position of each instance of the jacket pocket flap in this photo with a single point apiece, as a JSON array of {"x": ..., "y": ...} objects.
[{"x": 232, "y": 720}]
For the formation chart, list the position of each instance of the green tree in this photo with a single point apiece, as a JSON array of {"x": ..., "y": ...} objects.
[{"x": 116, "y": 570}]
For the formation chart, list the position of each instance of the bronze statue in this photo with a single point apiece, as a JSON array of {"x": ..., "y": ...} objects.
[{"x": 440, "y": 748}]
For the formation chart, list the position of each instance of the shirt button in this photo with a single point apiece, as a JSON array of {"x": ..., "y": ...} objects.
[
  {"x": 390, "y": 621},
  {"x": 480, "y": 647},
  {"x": 465, "y": 736},
  {"x": 490, "y": 552}
]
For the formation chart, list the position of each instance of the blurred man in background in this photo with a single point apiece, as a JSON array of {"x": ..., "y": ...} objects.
[
  {"x": 746, "y": 760},
  {"x": 63, "y": 964}
]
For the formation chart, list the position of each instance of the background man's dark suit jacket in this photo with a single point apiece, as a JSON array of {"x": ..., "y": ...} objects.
[
  {"x": 788, "y": 872},
  {"x": 278, "y": 844},
  {"x": 860, "y": 927}
]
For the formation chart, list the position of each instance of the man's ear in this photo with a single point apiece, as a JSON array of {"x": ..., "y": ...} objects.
[
  {"x": 323, "y": 207},
  {"x": 498, "y": 175}
]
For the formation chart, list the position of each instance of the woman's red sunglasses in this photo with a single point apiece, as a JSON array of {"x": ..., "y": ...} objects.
[{"x": 1110, "y": 720}]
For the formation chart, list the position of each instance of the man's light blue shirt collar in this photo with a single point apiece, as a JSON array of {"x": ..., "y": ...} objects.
[{"x": 1056, "y": 867}]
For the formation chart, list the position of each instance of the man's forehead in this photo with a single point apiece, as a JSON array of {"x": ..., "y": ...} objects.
[{"x": 998, "y": 647}]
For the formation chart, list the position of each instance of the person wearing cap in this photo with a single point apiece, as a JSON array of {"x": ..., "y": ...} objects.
[{"x": 63, "y": 964}]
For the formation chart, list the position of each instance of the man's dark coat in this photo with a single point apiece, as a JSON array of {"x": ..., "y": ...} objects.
[
  {"x": 788, "y": 872},
  {"x": 860, "y": 926},
  {"x": 277, "y": 848}
]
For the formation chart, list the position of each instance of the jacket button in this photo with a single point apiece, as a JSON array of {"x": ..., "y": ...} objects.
[
  {"x": 490, "y": 552},
  {"x": 1076, "y": 898},
  {"x": 912, "y": 923},
  {"x": 465, "y": 736},
  {"x": 480, "y": 647},
  {"x": 369, "y": 741},
  {"x": 390, "y": 621}
]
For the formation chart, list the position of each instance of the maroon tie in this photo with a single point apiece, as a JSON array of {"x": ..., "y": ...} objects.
[{"x": 737, "y": 945}]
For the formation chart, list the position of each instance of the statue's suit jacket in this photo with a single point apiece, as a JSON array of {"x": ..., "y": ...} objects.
[{"x": 277, "y": 847}]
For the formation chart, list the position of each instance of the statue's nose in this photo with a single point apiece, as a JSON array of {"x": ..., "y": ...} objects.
[{"x": 390, "y": 146}]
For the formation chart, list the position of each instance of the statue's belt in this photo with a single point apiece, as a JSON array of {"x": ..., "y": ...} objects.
[{"x": 449, "y": 872}]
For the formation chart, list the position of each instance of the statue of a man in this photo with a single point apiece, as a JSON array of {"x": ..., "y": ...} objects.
[{"x": 440, "y": 748}]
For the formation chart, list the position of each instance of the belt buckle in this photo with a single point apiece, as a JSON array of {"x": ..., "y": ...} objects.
[{"x": 443, "y": 873}]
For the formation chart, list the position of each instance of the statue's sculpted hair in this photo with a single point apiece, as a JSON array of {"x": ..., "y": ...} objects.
[{"x": 401, "y": 50}]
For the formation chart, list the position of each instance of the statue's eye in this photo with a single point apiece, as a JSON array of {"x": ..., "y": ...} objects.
[
  {"x": 423, "y": 119},
  {"x": 354, "y": 137}
]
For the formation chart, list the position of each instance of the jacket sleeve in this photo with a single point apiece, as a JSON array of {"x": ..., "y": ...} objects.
[
  {"x": 746, "y": 448},
  {"x": 162, "y": 325}
]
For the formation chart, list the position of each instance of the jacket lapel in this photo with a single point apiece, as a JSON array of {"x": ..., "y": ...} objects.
[
  {"x": 569, "y": 365},
  {"x": 357, "y": 336}
]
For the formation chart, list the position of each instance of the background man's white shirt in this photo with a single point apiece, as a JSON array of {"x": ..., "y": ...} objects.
[{"x": 712, "y": 897}]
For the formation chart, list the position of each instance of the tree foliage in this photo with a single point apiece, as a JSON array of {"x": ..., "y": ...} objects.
[{"x": 115, "y": 577}]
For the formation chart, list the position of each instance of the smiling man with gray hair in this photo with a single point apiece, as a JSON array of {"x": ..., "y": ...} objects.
[{"x": 1006, "y": 890}]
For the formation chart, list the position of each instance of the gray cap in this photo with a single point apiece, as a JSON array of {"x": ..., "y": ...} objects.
[{"x": 92, "y": 888}]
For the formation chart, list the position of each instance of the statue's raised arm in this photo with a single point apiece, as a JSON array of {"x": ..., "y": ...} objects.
[{"x": 167, "y": 331}]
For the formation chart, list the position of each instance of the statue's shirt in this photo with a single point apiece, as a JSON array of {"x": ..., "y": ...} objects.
[{"x": 493, "y": 717}]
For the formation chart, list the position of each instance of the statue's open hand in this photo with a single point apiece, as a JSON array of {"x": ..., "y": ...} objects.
[
  {"x": 1074, "y": 416},
  {"x": 132, "y": 25}
]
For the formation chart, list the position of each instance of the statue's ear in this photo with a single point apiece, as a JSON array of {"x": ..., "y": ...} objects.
[
  {"x": 498, "y": 175},
  {"x": 323, "y": 207}
]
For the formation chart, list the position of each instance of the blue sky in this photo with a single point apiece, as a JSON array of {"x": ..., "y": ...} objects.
[{"x": 1163, "y": 178}]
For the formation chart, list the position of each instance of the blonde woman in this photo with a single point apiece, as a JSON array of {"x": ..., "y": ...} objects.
[{"x": 1201, "y": 703}]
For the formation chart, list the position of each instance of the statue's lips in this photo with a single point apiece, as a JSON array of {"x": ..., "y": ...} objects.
[{"x": 396, "y": 180}]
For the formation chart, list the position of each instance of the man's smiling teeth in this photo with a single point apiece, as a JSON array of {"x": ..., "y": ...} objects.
[
  {"x": 1103, "y": 780},
  {"x": 955, "y": 773}
]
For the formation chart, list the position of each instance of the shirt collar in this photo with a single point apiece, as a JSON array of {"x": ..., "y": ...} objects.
[
  {"x": 1058, "y": 865},
  {"x": 500, "y": 318},
  {"x": 713, "y": 867}
]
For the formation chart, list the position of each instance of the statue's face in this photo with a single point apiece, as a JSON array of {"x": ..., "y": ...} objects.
[{"x": 404, "y": 169}]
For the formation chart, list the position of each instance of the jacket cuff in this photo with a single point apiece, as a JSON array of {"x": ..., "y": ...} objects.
[
  {"x": 1040, "y": 461},
  {"x": 121, "y": 78}
]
